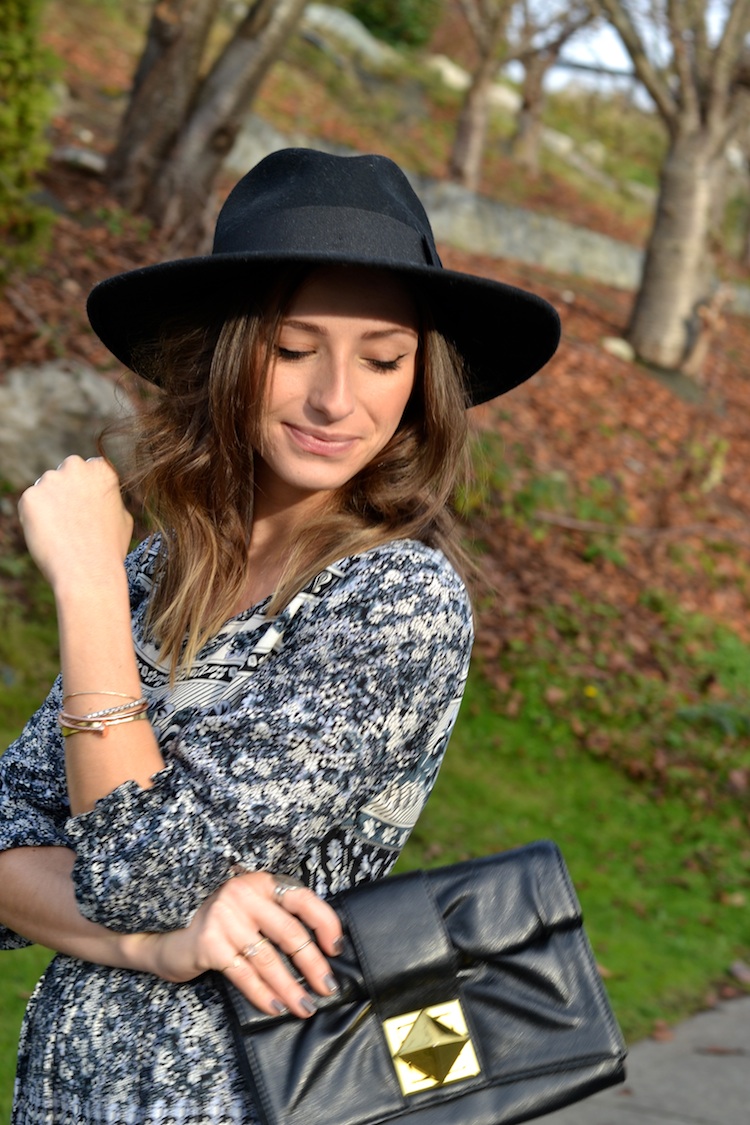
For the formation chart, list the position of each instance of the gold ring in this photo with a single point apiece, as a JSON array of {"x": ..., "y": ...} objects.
[
  {"x": 253, "y": 950},
  {"x": 301, "y": 947},
  {"x": 233, "y": 964}
]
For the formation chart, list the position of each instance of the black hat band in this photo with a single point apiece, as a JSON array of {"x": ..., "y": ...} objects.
[{"x": 330, "y": 232}]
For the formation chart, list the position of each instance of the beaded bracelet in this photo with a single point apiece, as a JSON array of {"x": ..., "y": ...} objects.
[{"x": 136, "y": 704}]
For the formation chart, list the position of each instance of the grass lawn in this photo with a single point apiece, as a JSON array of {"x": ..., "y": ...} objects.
[{"x": 663, "y": 889}]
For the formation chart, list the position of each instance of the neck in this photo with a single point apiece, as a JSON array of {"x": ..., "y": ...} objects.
[
  {"x": 272, "y": 540},
  {"x": 275, "y": 523}
]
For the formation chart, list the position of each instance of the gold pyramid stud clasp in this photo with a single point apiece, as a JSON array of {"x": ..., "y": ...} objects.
[{"x": 431, "y": 1047}]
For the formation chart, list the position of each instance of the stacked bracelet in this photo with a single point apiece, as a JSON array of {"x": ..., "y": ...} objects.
[
  {"x": 99, "y": 722},
  {"x": 118, "y": 694}
]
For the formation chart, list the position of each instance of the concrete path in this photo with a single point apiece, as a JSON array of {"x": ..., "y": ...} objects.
[{"x": 701, "y": 1077}]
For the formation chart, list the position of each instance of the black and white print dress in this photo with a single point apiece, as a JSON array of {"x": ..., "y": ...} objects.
[{"x": 305, "y": 744}]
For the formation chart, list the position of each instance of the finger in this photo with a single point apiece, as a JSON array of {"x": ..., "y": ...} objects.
[
  {"x": 290, "y": 930},
  {"x": 69, "y": 462},
  {"x": 314, "y": 967},
  {"x": 249, "y": 958},
  {"x": 316, "y": 915},
  {"x": 249, "y": 950},
  {"x": 310, "y": 962},
  {"x": 41, "y": 479},
  {"x": 267, "y": 982},
  {"x": 299, "y": 946},
  {"x": 255, "y": 989}
]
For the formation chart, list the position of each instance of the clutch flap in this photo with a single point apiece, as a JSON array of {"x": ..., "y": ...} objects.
[
  {"x": 495, "y": 905},
  {"x": 398, "y": 933}
]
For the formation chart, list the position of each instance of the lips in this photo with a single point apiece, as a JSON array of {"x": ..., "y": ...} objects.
[{"x": 322, "y": 444}]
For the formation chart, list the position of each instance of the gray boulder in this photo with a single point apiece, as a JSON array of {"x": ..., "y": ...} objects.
[{"x": 50, "y": 411}]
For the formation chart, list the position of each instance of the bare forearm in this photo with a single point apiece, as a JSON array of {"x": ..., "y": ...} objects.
[
  {"x": 78, "y": 532},
  {"x": 37, "y": 901},
  {"x": 97, "y": 656}
]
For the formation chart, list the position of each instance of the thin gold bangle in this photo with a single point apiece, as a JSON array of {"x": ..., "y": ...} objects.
[{"x": 119, "y": 694}]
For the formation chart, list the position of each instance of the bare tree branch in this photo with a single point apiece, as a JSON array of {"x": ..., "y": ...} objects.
[
  {"x": 473, "y": 16},
  {"x": 561, "y": 30},
  {"x": 594, "y": 68},
  {"x": 703, "y": 59},
  {"x": 679, "y": 38},
  {"x": 651, "y": 78}
]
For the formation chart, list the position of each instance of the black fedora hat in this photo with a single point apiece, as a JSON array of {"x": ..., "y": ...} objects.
[{"x": 304, "y": 206}]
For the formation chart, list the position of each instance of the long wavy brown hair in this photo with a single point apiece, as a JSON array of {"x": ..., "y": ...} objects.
[{"x": 192, "y": 465}]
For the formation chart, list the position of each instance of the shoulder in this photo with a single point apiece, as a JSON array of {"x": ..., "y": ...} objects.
[
  {"x": 399, "y": 584},
  {"x": 396, "y": 618},
  {"x": 403, "y": 565}
]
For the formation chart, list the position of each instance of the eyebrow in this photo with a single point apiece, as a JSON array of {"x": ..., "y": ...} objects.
[{"x": 373, "y": 334}]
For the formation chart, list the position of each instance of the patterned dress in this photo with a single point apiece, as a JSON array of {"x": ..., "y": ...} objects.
[{"x": 305, "y": 743}]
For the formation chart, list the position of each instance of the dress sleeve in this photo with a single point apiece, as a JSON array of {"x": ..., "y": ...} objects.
[
  {"x": 349, "y": 703},
  {"x": 34, "y": 806},
  {"x": 33, "y": 795}
]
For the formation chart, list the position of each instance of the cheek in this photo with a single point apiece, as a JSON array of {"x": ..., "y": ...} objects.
[{"x": 282, "y": 398}]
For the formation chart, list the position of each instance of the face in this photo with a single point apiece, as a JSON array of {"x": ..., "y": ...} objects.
[{"x": 342, "y": 375}]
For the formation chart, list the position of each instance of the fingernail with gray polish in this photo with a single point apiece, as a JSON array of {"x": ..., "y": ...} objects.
[
  {"x": 330, "y": 982},
  {"x": 279, "y": 1008},
  {"x": 307, "y": 1005},
  {"x": 338, "y": 945}
]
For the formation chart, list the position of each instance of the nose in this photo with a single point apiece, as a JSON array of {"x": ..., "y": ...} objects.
[{"x": 331, "y": 392}]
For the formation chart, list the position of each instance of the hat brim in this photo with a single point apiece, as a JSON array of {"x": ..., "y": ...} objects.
[{"x": 503, "y": 333}]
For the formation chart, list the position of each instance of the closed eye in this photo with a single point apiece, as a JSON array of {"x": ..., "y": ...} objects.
[
  {"x": 290, "y": 355},
  {"x": 386, "y": 364}
]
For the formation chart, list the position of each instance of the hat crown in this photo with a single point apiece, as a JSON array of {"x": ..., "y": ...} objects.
[{"x": 304, "y": 202}]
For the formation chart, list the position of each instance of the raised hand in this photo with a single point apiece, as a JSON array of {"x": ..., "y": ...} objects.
[{"x": 75, "y": 523}]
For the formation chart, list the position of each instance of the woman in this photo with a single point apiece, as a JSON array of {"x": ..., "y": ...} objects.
[{"x": 261, "y": 695}]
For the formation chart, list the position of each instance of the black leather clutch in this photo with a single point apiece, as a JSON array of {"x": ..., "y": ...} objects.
[{"x": 468, "y": 996}]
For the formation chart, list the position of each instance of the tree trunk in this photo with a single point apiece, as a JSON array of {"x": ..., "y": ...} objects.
[
  {"x": 675, "y": 275},
  {"x": 178, "y": 129},
  {"x": 163, "y": 89},
  {"x": 471, "y": 132},
  {"x": 179, "y": 196},
  {"x": 526, "y": 143}
]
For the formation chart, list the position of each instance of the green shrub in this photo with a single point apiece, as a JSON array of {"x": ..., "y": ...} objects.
[
  {"x": 409, "y": 22},
  {"x": 26, "y": 69}
]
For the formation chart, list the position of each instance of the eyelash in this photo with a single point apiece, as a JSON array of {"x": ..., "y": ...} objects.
[
  {"x": 289, "y": 355},
  {"x": 386, "y": 364}
]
